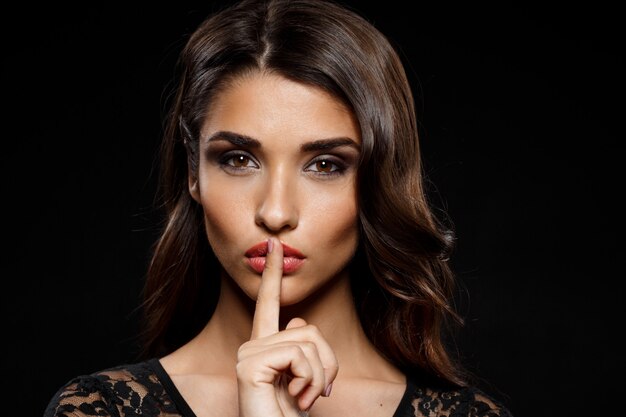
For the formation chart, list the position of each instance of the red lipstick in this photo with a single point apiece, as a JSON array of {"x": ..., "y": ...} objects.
[{"x": 292, "y": 258}]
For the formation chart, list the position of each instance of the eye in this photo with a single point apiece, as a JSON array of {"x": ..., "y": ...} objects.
[
  {"x": 240, "y": 161},
  {"x": 325, "y": 166},
  {"x": 237, "y": 161}
]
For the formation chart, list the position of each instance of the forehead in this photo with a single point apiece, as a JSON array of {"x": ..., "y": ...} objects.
[{"x": 265, "y": 106}]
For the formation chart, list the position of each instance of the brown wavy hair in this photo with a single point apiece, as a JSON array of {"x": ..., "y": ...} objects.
[{"x": 402, "y": 283}]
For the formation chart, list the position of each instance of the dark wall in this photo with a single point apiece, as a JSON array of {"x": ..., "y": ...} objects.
[{"x": 519, "y": 108}]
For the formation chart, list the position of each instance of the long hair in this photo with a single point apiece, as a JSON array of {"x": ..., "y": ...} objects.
[{"x": 402, "y": 283}]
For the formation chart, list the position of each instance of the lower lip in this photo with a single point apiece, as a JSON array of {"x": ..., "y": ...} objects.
[{"x": 290, "y": 264}]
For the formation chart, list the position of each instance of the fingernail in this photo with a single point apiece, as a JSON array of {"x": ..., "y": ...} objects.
[
  {"x": 328, "y": 389},
  {"x": 270, "y": 245}
]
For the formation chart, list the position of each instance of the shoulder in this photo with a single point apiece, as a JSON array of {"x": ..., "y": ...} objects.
[
  {"x": 123, "y": 390},
  {"x": 460, "y": 401}
]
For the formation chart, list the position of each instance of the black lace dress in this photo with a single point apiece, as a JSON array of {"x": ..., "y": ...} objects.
[{"x": 144, "y": 389}]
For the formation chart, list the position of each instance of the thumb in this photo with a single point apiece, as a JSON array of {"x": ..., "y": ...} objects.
[{"x": 296, "y": 322}]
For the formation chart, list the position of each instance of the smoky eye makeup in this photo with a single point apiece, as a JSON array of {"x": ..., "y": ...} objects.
[
  {"x": 322, "y": 164},
  {"x": 331, "y": 157},
  {"x": 326, "y": 166},
  {"x": 230, "y": 158},
  {"x": 236, "y": 161}
]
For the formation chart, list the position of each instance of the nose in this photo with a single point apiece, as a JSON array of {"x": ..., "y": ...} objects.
[{"x": 277, "y": 205}]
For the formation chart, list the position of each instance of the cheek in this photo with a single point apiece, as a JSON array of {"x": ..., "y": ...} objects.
[
  {"x": 225, "y": 216},
  {"x": 336, "y": 220}
]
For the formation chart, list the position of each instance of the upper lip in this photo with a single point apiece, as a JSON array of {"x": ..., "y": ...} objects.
[{"x": 260, "y": 249}]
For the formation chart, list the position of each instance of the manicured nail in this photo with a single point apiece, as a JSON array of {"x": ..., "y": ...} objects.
[
  {"x": 270, "y": 245},
  {"x": 328, "y": 389}
]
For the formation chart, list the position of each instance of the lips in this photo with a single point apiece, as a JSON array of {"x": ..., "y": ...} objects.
[{"x": 292, "y": 258}]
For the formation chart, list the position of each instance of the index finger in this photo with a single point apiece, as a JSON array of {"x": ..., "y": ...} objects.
[{"x": 266, "y": 314}]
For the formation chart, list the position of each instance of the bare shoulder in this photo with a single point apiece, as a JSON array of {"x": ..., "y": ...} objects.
[
  {"x": 364, "y": 397},
  {"x": 208, "y": 395},
  {"x": 207, "y": 384},
  {"x": 415, "y": 397}
]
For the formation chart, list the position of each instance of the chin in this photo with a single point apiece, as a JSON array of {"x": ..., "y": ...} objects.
[
  {"x": 290, "y": 298},
  {"x": 302, "y": 290}
]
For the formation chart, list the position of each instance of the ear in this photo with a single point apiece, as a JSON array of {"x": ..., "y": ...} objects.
[{"x": 193, "y": 188}]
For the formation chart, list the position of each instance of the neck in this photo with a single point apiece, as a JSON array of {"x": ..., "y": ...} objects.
[{"x": 331, "y": 309}]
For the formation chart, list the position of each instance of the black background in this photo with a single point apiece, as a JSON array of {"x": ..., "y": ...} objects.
[{"x": 519, "y": 108}]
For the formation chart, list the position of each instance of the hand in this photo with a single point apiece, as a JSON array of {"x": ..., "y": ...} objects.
[{"x": 281, "y": 373}]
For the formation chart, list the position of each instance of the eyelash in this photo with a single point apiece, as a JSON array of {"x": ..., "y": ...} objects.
[
  {"x": 224, "y": 161},
  {"x": 338, "y": 167}
]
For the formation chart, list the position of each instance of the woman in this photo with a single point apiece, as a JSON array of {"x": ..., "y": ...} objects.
[{"x": 300, "y": 269}]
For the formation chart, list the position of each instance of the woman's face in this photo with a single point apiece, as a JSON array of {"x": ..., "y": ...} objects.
[{"x": 279, "y": 158}]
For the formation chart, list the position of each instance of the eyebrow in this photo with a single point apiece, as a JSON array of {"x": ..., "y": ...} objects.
[
  {"x": 323, "y": 144},
  {"x": 249, "y": 142},
  {"x": 235, "y": 139}
]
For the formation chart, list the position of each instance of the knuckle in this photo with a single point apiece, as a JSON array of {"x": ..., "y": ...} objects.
[
  {"x": 296, "y": 350},
  {"x": 241, "y": 368},
  {"x": 244, "y": 346},
  {"x": 332, "y": 368},
  {"x": 314, "y": 330},
  {"x": 317, "y": 385},
  {"x": 308, "y": 347},
  {"x": 242, "y": 352},
  {"x": 250, "y": 375}
]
